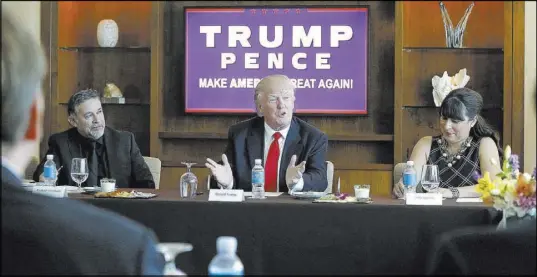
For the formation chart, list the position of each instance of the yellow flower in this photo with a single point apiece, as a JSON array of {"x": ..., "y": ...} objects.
[
  {"x": 507, "y": 153},
  {"x": 484, "y": 186}
]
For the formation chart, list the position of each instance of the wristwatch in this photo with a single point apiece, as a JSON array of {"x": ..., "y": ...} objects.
[{"x": 454, "y": 191}]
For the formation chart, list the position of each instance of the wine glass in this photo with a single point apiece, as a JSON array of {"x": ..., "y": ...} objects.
[
  {"x": 79, "y": 171},
  {"x": 189, "y": 182},
  {"x": 430, "y": 180},
  {"x": 170, "y": 252}
]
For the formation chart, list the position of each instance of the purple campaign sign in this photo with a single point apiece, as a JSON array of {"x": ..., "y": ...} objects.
[{"x": 323, "y": 50}]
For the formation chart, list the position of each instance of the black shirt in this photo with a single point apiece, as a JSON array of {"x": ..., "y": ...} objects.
[{"x": 86, "y": 147}]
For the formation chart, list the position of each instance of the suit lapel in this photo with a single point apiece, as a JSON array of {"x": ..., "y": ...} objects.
[
  {"x": 255, "y": 142},
  {"x": 293, "y": 145},
  {"x": 111, "y": 145}
]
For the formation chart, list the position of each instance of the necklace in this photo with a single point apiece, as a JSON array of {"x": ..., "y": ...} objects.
[{"x": 451, "y": 159}]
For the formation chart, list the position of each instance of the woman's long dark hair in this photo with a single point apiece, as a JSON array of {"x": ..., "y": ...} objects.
[{"x": 463, "y": 102}]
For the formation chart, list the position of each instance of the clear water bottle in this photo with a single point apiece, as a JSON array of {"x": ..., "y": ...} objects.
[
  {"x": 258, "y": 180},
  {"x": 409, "y": 177},
  {"x": 49, "y": 171},
  {"x": 226, "y": 261}
]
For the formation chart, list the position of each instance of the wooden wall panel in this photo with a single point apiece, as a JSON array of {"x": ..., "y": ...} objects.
[
  {"x": 485, "y": 69},
  {"x": 78, "y": 22},
  {"x": 423, "y": 25}
]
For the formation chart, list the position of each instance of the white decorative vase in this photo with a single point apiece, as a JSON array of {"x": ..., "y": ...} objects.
[{"x": 107, "y": 33}]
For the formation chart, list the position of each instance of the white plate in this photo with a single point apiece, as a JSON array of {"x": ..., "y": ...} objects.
[
  {"x": 91, "y": 189},
  {"x": 307, "y": 194}
]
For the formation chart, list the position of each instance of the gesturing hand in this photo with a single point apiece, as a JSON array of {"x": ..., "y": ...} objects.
[
  {"x": 294, "y": 172},
  {"x": 222, "y": 173}
]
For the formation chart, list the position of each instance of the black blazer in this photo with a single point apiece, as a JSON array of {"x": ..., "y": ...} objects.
[
  {"x": 58, "y": 236},
  {"x": 486, "y": 251},
  {"x": 125, "y": 162},
  {"x": 246, "y": 143}
]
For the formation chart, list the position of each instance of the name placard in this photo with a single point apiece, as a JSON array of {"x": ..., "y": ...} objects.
[
  {"x": 423, "y": 198},
  {"x": 226, "y": 195},
  {"x": 50, "y": 191}
]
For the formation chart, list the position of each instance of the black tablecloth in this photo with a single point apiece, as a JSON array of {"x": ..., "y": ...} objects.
[{"x": 289, "y": 236}]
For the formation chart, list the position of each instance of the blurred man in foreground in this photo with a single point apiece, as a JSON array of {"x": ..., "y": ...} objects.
[{"x": 50, "y": 236}]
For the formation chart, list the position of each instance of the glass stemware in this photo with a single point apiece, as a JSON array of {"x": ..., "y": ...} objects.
[
  {"x": 170, "y": 252},
  {"x": 79, "y": 171},
  {"x": 189, "y": 182},
  {"x": 430, "y": 180}
]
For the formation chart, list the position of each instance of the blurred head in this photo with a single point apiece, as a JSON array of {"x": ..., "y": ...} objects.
[
  {"x": 86, "y": 113},
  {"x": 460, "y": 117},
  {"x": 275, "y": 100},
  {"x": 23, "y": 69}
]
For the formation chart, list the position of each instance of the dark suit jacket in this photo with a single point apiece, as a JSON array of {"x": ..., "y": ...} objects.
[
  {"x": 52, "y": 236},
  {"x": 125, "y": 162},
  {"x": 246, "y": 143},
  {"x": 486, "y": 251}
]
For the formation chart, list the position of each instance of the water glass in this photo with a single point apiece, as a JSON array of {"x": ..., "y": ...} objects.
[
  {"x": 170, "y": 252},
  {"x": 79, "y": 171},
  {"x": 188, "y": 185},
  {"x": 361, "y": 192},
  {"x": 430, "y": 180}
]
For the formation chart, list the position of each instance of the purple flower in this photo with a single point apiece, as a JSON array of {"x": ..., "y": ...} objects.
[
  {"x": 526, "y": 202},
  {"x": 476, "y": 176},
  {"x": 513, "y": 161}
]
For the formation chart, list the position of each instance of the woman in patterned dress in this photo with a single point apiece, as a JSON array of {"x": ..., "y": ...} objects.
[{"x": 467, "y": 145}]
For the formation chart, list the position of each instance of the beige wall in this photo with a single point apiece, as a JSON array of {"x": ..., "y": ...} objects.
[{"x": 529, "y": 86}]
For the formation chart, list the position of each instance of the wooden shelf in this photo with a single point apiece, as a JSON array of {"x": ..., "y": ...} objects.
[
  {"x": 202, "y": 135},
  {"x": 455, "y": 50},
  {"x": 132, "y": 102},
  {"x": 114, "y": 50},
  {"x": 487, "y": 107},
  {"x": 366, "y": 166}
]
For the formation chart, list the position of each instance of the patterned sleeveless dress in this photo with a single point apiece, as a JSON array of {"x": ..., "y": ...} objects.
[{"x": 455, "y": 172}]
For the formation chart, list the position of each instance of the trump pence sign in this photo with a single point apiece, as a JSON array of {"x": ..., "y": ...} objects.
[{"x": 323, "y": 50}]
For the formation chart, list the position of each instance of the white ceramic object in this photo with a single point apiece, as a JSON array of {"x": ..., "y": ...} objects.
[
  {"x": 107, "y": 33},
  {"x": 442, "y": 86}
]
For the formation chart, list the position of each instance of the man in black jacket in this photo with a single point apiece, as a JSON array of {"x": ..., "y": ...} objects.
[
  {"x": 110, "y": 153},
  {"x": 53, "y": 236}
]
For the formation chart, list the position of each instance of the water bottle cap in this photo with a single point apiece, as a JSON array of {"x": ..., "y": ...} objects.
[
  {"x": 411, "y": 163},
  {"x": 257, "y": 161},
  {"x": 226, "y": 244},
  {"x": 50, "y": 157}
]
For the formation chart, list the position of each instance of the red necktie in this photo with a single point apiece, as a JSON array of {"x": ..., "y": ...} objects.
[{"x": 271, "y": 166}]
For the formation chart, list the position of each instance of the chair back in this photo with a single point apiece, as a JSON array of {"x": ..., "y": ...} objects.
[
  {"x": 329, "y": 176},
  {"x": 398, "y": 172},
  {"x": 155, "y": 166}
]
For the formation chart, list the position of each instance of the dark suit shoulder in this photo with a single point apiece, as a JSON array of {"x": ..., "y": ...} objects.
[
  {"x": 246, "y": 124},
  {"x": 57, "y": 213},
  {"x": 308, "y": 128},
  {"x": 62, "y": 136}
]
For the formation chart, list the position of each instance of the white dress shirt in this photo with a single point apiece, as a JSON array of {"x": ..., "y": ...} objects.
[{"x": 269, "y": 132}]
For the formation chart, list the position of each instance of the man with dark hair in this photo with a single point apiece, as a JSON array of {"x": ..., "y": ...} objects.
[
  {"x": 110, "y": 153},
  {"x": 40, "y": 234}
]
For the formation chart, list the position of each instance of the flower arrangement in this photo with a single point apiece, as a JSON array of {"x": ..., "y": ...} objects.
[{"x": 509, "y": 191}]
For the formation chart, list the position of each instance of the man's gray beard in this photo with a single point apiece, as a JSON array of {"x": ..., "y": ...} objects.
[{"x": 96, "y": 135}]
